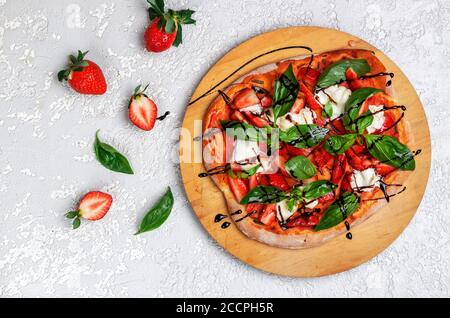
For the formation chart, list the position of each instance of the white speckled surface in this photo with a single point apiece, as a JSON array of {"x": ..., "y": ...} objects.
[{"x": 47, "y": 162}]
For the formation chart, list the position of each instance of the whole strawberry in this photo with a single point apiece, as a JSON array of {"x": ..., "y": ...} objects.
[
  {"x": 84, "y": 76},
  {"x": 93, "y": 206},
  {"x": 165, "y": 28}
]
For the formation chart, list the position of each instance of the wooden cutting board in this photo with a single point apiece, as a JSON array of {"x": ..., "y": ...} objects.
[{"x": 339, "y": 254}]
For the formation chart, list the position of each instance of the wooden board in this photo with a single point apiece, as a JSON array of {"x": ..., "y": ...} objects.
[{"x": 339, "y": 254}]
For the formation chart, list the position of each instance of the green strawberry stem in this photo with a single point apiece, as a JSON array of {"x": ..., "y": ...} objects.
[
  {"x": 170, "y": 20},
  {"x": 77, "y": 64}
]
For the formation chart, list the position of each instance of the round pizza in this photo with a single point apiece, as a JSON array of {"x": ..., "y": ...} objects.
[{"x": 306, "y": 148}]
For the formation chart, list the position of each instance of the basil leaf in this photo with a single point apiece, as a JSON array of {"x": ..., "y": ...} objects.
[
  {"x": 328, "y": 109},
  {"x": 263, "y": 194},
  {"x": 243, "y": 131},
  {"x": 336, "y": 145},
  {"x": 335, "y": 73},
  {"x": 243, "y": 174},
  {"x": 285, "y": 93},
  {"x": 338, "y": 211},
  {"x": 353, "y": 106},
  {"x": 390, "y": 151},
  {"x": 301, "y": 168},
  {"x": 110, "y": 158},
  {"x": 317, "y": 189},
  {"x": 303, "y": 136},
  {"x": 158, "y": 214}
]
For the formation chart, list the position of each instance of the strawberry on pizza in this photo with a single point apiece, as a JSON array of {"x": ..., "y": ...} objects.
[{"x": 306, "y": 148}]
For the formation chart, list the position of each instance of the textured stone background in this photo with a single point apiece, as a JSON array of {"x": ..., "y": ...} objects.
[{"x": 47, "y": 163}]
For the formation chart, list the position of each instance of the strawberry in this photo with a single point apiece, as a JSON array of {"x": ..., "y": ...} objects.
[
  {"x": 84, "y": 76},
  {"x": 165, "y": 29},
  {"x": 93, "y": 206},
  {"x": 142, "y": 111},
  {"x": 277, "y": 180},
  {"x": 245, "y": 98},
  {"x": 239, "y": 187}
]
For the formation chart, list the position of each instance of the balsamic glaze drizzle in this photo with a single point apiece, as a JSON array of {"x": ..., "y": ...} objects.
[
  {"x": 212, "y": 89},
  {"x": 162, "y": 117},
  {"x": 219, "y": 217}
]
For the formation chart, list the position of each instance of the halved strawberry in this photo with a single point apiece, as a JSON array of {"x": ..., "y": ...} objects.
[
  {"x": 239, "y": 188},
  {"x": 142, "y": 111},
  {"x": 93, "y": 206},
  {"x": 245, "y": 98}
]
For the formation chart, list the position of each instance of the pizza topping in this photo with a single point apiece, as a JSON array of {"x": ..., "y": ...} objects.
[
  {"x": 378, "y": 118},
  {"x": 286, "y": 92},
  {"x": 303, "y": 136},
  {"x": 390, "y": 151},
  {"x": 335, "y": 96},
  {"x": 284, "y": 212},
  {"x": 339, "y": 144},
  {"x": 352, "y": 119},
  {"x": 255, "y": 109},
  {"x": 365, "y": 180},
  {"x": 301, "y": 168},
  {"x": 304, "y": 117},
  {"x": 245, "y": 149},
  {"x": 336, "y": 72},
  {"x": 246, "y": 98},
  {"x": 338, "y": 211}
]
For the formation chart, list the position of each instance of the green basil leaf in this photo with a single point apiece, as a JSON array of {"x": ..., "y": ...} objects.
[
  {"x": 317, "y": 189},
  {"x": 263, "y": 194},
  {"x": 303, "y": 136},
  {"x": 243, "y": 130},
  {"x": 243, "y": 174},
  {"x": 336, "y": 145},
  {"x": 328, "y": 109},
  {"x": 285, "y": 93},
  {"x": 110, "y": 158},
  {"x": 338, "y": 211},
  {"x": 390, "y": 151},
  {"x": 353, "y": 106},
  {"x": 301, "y": 168},
  {"x": 158, "y": 214},
  {"x": 335, "y": 73}
]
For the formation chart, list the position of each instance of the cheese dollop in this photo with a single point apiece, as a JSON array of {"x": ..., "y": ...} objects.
[
  {"x": 337, "y": 95},
  {"x": 255, "y": 109},
  {"x": 378, "y": 118},
  {"x": 283, "y": 213},
  {"x": 305, "y": 116},
  {"x": 364, "y": 180}
]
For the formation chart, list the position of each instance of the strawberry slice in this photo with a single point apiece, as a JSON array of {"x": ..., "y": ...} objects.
[
  {"x": 299, "y": 103},
  {"x": 269, "y": 213},
  {"x": 255, "y": 209},
  {"x": 383, "y": 169},
  {"x": 253, "y": 181},
  {"x": 266, "y": 102},
  {"x": 309, "y": 96},
  {"x": 256, "y": 120},
  {"x": 93, "y": 206},
  {"x": 309, "y": 76},
  {"x": 142, "y": 111},
  {"x": 277, "y": 180},
  {"x": 239, "y": 188},
  {"x": 339, "y": 168},
  {"x": 245, "y": 98},
  {"x": 350, "y": 74},
  {"x": 237, "y": 115}
]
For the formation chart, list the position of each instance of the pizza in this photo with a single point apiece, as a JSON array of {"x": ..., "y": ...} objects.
[{"x": 306, "y": 148}]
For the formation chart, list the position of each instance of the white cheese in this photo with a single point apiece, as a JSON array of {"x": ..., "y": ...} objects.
[
  {"x": 312, "y": 204},
  {"x": 255, "y": 109},
  {"x": 245, "y": 149},
  {"x": 283, "y": 213},
  {"x": 364, "y": 180},
  {"x": 337, "y": 95},
  {"x": 378, "y": 118},
  {"x": 305, "y": 116}
]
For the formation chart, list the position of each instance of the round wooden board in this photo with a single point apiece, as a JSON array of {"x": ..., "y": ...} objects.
[{"x": 339, "y": 254}]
